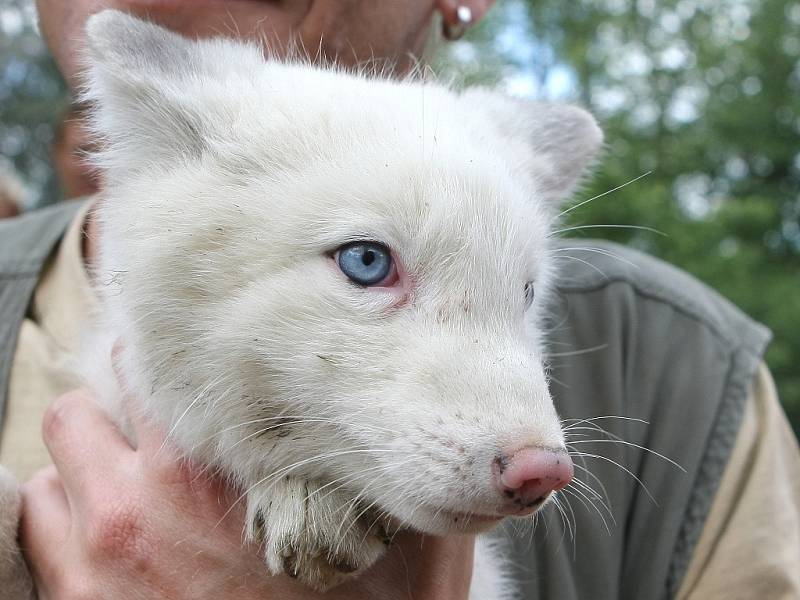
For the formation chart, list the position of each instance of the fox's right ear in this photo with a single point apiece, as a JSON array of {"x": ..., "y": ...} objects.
[
  {"x": 145, "y": 84},
  {"x": 560, "y": 141}
]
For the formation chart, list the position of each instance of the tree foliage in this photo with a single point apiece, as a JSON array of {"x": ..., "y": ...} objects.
[
  {"x": 32, "y": 97},
  {"x": 703, "y": 96}
]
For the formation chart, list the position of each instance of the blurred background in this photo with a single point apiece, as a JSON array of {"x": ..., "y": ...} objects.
[{"x": 703, "y": 96}]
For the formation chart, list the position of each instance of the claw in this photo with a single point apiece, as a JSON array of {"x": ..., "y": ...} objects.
[{"x": 300, "y": 539}]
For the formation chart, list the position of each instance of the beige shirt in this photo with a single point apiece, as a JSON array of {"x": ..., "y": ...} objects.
[
  {"x": 47, "y": 348},
  {"x": 749, "y": 548}
]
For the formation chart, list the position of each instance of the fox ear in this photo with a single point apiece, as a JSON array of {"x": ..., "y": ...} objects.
[
  {"x": 139, "y": 110},
  {"x": 560, "y": 141},
  {"x": 149, "y": 89},
  {"x": 130, "y": 49}
]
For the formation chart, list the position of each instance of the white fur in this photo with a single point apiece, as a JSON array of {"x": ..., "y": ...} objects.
[{"x": 231, "y": 180}]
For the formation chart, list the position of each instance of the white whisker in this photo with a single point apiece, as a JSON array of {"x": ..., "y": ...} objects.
[{"x": 606, "y": 193}]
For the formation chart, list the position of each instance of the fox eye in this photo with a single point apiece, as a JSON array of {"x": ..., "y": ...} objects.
[
  {"x": 365, "y": 263},
  {"x": 529, "y": 294}
]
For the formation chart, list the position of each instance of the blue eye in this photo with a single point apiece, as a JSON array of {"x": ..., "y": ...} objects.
[{"x": 365, "y": 263}]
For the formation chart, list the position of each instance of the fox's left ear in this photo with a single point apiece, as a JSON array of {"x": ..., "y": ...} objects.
[
  {"x": 152, "y": 90},
  {"x": 559, "y": 141}
]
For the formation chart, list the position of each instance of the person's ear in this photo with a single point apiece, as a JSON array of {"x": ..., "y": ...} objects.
[{"x": 449, "y": 9}]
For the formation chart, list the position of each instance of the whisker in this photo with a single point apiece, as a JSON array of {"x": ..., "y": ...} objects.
[
  {"x": 387, "y": 467},
  {"x": 303, "y": 418},
  {"x": 560, "y": 251},
  {"x": 585, "y": 262},
  {"x": 577, "y": 352},
  {"x": 582, "y": 498},
  {"x": 638, "y": 227},
  {"x": 197, "y": 399},
  {"x": 567, "y": 526},
  {"x": 282, "y": 471},
  {"x": 590, "y": 420},
  {"x": 592, "y": 494},
  {"x": 606, "y": 193},
  {"x": 653, "y": 452},
  {"x": 602, "y": 496},
  {"x": 615, "y": 463}
]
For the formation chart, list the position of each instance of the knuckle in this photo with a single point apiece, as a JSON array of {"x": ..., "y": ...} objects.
[
  {"x": 59, "y": 413},
  {"x": 75, "y": 587},
  {"x": 38, "y": 484},
  {"x": 70, "y": 583},
  {"x": 117, "y": 533}
]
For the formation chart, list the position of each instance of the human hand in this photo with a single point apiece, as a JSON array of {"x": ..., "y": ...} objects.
[{"x": 111, "y": 521}]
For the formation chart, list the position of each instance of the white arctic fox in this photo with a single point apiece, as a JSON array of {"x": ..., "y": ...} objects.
[{"x": 329, "y": 286}]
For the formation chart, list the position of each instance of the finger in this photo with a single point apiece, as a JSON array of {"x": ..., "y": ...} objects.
[
  {"x": 45, "y": 522},
  {"x": 86, "y": 447}
]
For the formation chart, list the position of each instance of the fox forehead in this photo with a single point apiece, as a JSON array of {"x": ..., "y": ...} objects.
[
  {"x": 456, "y": 198},
  {"x": 446, "y": 228},
  {"x": 279, "y": 162}
]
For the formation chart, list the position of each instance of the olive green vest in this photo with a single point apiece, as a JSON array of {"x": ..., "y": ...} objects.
[{"x": 628, "y": 336}]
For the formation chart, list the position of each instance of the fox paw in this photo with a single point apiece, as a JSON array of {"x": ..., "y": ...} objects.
[{"x": 312, "y": 533}]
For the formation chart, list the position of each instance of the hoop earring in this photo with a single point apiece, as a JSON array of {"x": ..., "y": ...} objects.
[{"x": 454, "y": 31}]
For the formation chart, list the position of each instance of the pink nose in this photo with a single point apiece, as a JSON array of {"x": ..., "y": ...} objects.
[{"x": 528, "y": 475}]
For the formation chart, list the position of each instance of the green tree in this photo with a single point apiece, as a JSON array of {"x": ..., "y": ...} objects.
[
  {"x": 703, "y": 96},
  {"x": 32, "y": 97}
]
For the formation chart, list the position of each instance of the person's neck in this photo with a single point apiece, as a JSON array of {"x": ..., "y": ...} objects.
[{"x": 435, "y": 568}]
